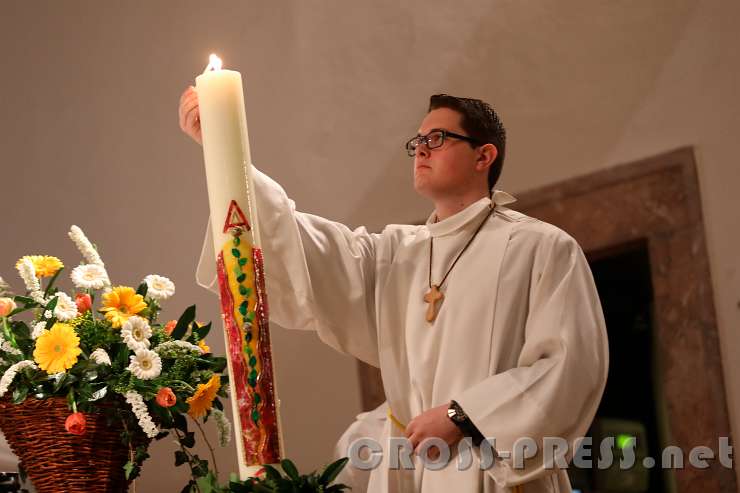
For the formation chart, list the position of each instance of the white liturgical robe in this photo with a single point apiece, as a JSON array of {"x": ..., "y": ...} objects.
[{"x": 519, "y": 340}]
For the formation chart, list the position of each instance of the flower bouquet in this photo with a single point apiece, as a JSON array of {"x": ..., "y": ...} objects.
[{"x": 89, "y": 379}]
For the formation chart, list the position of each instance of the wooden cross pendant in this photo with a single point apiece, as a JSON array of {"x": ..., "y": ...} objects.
[{"x": 433, "y": 297}]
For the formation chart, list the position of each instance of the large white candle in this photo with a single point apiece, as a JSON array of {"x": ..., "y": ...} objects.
[{"x": 236, "y": 242}]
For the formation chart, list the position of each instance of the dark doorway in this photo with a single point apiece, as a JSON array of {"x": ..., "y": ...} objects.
[{"x": 631, "y": 406}]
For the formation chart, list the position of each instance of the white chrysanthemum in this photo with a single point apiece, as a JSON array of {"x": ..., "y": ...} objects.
[
  {"x": 10, "y": 373},
  {"x": 90, "y": 276},
  {"x": 145, "y": 364},
  {"x": 7, "y": 347},
  {"x": 142, "y": 413},
  {"x": 136, "y": 332},
  {"x": 166, "y": 348},
  {"x": 28, "y": 273},
  {"x": 4, "y": 287},
  {"x": 84, "y": 245},
  {"x": 223, "y": 425},
  {"x": 159, "y": 287},
  {"x": 66, "y": 308},
  {"x": 38, "y": 329},
  {"x": 100, "y": 357}
]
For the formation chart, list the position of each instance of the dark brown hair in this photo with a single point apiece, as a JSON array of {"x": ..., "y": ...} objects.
[{"x": 480, "y": 122}]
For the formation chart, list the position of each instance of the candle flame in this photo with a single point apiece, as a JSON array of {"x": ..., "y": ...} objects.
[{"x": 214, "y": 63}]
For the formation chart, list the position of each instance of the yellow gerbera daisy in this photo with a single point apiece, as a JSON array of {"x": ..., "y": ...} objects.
[
  {"x": 57, "y": 349},
  {"x": 121, "y": 303},
  {"x": 203, "y": 346},
  {"x": 202, "y": 401},
  {"x": 44, "y": 265}
]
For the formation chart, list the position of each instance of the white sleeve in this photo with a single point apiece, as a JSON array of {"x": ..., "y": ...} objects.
[
  {"x": 560, "y": 375},
  {"x": 320, "y": 275}
]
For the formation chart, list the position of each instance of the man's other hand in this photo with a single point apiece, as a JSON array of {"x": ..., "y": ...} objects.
[
  {"x": 433, "y": 423},
  {"x": 189, "y": 114}
]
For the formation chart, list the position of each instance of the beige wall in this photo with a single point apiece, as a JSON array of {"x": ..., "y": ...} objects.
[{"x": 88, "y": 92}]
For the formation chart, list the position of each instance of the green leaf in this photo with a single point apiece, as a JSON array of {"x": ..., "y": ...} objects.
[
  {"x": 272, "y": 473},
  {"x": 51, "y": 282},
  {"x": 19, "y": 395},
  {"x": 59, "y": 382},
  {"x": 52, "y": 304},
  {"x": 142, "y": 289},
  {"x": 202, "y": 332},
  {"x": 337, "y": 488},
  {"x": 290, "y": 469},
  {"x": 25, "y": 300},
  {"x": 333, "y": 470},
  {"x": 182, "y": 323}
]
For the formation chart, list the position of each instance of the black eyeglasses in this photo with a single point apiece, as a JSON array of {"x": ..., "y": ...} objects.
[{"x": 435, "y": 139}]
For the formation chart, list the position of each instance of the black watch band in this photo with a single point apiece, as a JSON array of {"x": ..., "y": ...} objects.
[{"x": 462, "y": 421}]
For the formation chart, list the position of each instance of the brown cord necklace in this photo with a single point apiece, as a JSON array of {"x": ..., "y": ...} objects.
[{"x": 434, "y": 295}]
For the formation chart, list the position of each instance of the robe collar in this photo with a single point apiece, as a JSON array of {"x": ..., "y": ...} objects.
[{"x": 457, "y": 221}]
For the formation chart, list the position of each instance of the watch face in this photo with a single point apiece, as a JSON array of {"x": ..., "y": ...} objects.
[{"x": 456, "y": 415}]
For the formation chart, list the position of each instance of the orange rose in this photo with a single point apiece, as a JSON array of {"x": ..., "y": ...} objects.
[
  {"x": 76, "y": 424},
  {"x": 84, "y": 302},
  {"x": 165, "y": 397},
  {"x": 7, "y": 305},
  {"x": 170, "y": 326}
]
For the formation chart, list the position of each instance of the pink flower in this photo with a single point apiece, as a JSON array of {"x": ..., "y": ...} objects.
[
  {"x": 84, "y": 302},
  {"x": 165, "y": 397},
  {"x": 7, "y": 305},
  {"x": 76, "y": 424}
]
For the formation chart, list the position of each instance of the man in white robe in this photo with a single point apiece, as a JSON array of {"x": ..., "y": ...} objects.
[{"x": 518, "y": 341}]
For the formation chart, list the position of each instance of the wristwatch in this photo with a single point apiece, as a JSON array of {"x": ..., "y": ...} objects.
[{"x": 462, "y": 421}]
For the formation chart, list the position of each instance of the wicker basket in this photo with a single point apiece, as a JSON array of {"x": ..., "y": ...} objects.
[{"x": 57, "y": 461}]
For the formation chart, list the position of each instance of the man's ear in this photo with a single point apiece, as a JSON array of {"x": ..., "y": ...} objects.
[{"x": 486, "y": 156}]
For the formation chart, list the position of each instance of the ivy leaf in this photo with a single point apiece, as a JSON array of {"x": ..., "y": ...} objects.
[
  {"x": 180, "y": 457},
  {"x": 141, "y": 454},
  {"x": 188, "y": 440},
  {"x": 180, "y": 422},
  {"x": 208, "y": 483},
  {"x": 188, "y": 487},
  {"x": 182, "y": 323},
  {"x": 131, "y": 470},
  {"x": 200, "y": 468}
]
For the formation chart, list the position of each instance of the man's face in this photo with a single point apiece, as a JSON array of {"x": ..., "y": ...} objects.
[{"x": 447, "y": 171}]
